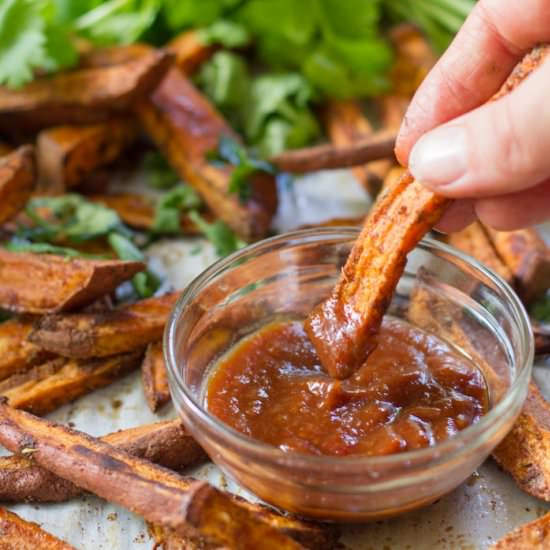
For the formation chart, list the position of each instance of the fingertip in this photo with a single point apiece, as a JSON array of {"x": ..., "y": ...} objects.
[{"x": 458, "y": 216}]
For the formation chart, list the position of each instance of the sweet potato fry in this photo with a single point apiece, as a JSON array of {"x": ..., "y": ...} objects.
[
  {"x": 190, "y": 51},
  {"x": 329, "y": 157},
  {"x": 68, "y": 154},
  {"x": 528, "y": 258},
  {"x": 5, "y": 149},
  {"x": 95, "y": 334},
  {"x": 154, "y": 378},
  {"x": 525, "y": 451},
  {"x": 165, "y": 443},
  {"x": 136, "y": 211},
  {"x": 17, "y": 354},
  {"x": 40, "y": 283},
  {"x": 18, "y": 534},
  {"x": 160, "y": 496},
  {"x": 534, "y": 535},
  {"x": 343, "y": 327},
  {"x": 473, "y": 240},
  {"x": 345, "y": 123},
  {"x": 82, "y": 96},
  {"x": 47, "y": 387},
  {"x": 186, "y": 127},
  {"x": 17, "y": 181}
]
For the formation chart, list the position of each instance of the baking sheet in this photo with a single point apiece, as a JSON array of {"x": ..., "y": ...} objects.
[{"x": 472, "y": 517}]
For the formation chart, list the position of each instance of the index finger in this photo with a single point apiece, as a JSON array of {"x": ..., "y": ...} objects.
[{"x": 493, "y": 39}]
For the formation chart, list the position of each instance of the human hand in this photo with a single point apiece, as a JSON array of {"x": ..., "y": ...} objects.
[{"x": 495, "y": 157}]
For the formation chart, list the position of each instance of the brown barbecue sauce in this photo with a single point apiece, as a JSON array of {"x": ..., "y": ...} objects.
[{"x": 414, "y": 391}]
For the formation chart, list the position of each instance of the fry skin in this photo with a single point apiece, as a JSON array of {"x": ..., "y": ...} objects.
[
  {"x": 47, "y": 387},
  {"x": 82, "y": 96},
  {"x": 528, "y": 258},
  {"x": 158, "y": 495},
  {"x": 154, "y": 377},
  {"x": 18, "y": 534},
  {"x": 17, "y": 181},
  {"x": 60, "y": 284},
  {"x": 190, "y": 51},
  {"x": 534, "y": 535},
  {"x": 68, "y": 154},
  {"x": 186, "y": 127},
  {"x": 17, "y": 354},
  {"x": 165, "y": 443},
  {"x": 100, "y": 334}
]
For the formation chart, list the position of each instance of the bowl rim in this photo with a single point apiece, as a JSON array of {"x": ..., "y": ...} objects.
[{"x": 463, "y": 440}]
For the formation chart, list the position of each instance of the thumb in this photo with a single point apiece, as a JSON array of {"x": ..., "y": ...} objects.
[{"x": 501, "y": 147}]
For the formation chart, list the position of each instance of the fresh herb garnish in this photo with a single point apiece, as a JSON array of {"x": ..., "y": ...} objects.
[
  {"x": 22, "y": 245},
  {"x": 218, "y": 233},
  {"x": 540, "y": 310},
  {"x": 225, "y": 32},
  {"x": 5, "y": 315},
  {"x": 158, "y": 172},
  {"x": 245, "y": 164},
  {"x": 171, "y": 205}
]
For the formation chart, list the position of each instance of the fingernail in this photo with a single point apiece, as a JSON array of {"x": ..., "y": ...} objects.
[{"x": 440, "y": 157}]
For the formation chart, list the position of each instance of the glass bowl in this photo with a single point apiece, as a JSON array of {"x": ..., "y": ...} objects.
[{"x": 442, "y": 291}]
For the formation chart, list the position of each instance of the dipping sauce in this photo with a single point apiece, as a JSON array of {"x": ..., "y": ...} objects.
[{"x": 414, "y": 391}]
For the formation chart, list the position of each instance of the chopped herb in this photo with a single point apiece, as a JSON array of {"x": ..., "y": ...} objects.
[
  {"x": 245, "y": 164},
  {"x": 170, "y": 206},
  {"x": 145, "y": 283},
  {"x": 540, "y": 310},
  {"x": 22, "y": 245},
  {"x": 159, "y": 173},
  {"x": 5, "y": 315},
  {"x": 218, "y": 233},
  {"x": 225, "y": 32}
]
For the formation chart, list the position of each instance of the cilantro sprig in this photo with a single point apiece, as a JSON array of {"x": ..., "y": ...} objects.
[{"x": 218, "y": 233}]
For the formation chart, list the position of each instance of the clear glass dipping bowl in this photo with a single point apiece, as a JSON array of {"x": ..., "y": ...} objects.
[{"x": 442, "y": 291}]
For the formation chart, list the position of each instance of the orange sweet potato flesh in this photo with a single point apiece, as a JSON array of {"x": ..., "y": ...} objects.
[
  {"x": 527, "y": 256},
  {"x": 41, "y": 283},
  {"x": 190, "y": 51},
  {"x": 81, "y": 96},
  {"x": 534, "y": 535},
  {"x": 154, "y": 377},
  {"x": 17, "y": 354},
  {"x": 17, "y": 181},
  {"x": 100, "y": 334},
  {"x": 343, "y": 328},
  {"x": 157, "y": 494},
  {"x": 186, "y": 127},
  {"x": 473, "y": 240},
  {"x": 47, "y": 387},
  {"x": 165, "y": 443},
  {"x": 19, "y": 534},
  {"x": 68, "y": 154}
]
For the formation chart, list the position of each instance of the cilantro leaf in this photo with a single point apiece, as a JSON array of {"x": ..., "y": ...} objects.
[
  {"x": 159, "y": 173},
  {"x": 225, "y": 32},
  {"x": 22, "y": 41},
  {"x": 218, "y": 233},
  {"x": 22, "y": 245},
  {"x": 5, "y": 315},
  {"x": 170, "y": 206},
  {"x": 540, "y": 310}
]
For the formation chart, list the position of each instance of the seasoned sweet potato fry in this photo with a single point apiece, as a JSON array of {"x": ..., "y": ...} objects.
[
  {"x": 5, "y": 149},
  {"x": 473, "y": 240},
  {"x": 186, "y": 127},
  {"x": 534, "y": 535},
  {"x": 136, "y": 211},
  {"x": 17, "y": 354},
  {"x": 345, "y": 123},
  {"x": 160, "y": 496},
  {"x": 67, "y": 154},
  {"x": 58, "y": 284},
  {"x": 154, "y": 378},
  {"x": 81, "y": 96},
  {"x": 190, "y": 51},
  {"x": 165, "y": 443},
  {"x": 18, "y": 534},
  {"x": 525, "y": 451},
  {"x": 329, "y": 157},
  {"x": 47, "y": 387},
  {"x": 528, "y": 258},
  {"x": 17, "y": 181},
  {"x": 100, "y": 334},
  {"x": 343, "y": 327}
]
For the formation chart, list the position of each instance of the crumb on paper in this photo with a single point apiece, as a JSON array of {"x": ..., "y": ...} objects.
[{"x": 113, "y": 516}]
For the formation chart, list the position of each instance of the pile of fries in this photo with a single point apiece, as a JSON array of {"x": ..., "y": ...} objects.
[{"x": 66, "y": 338}]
